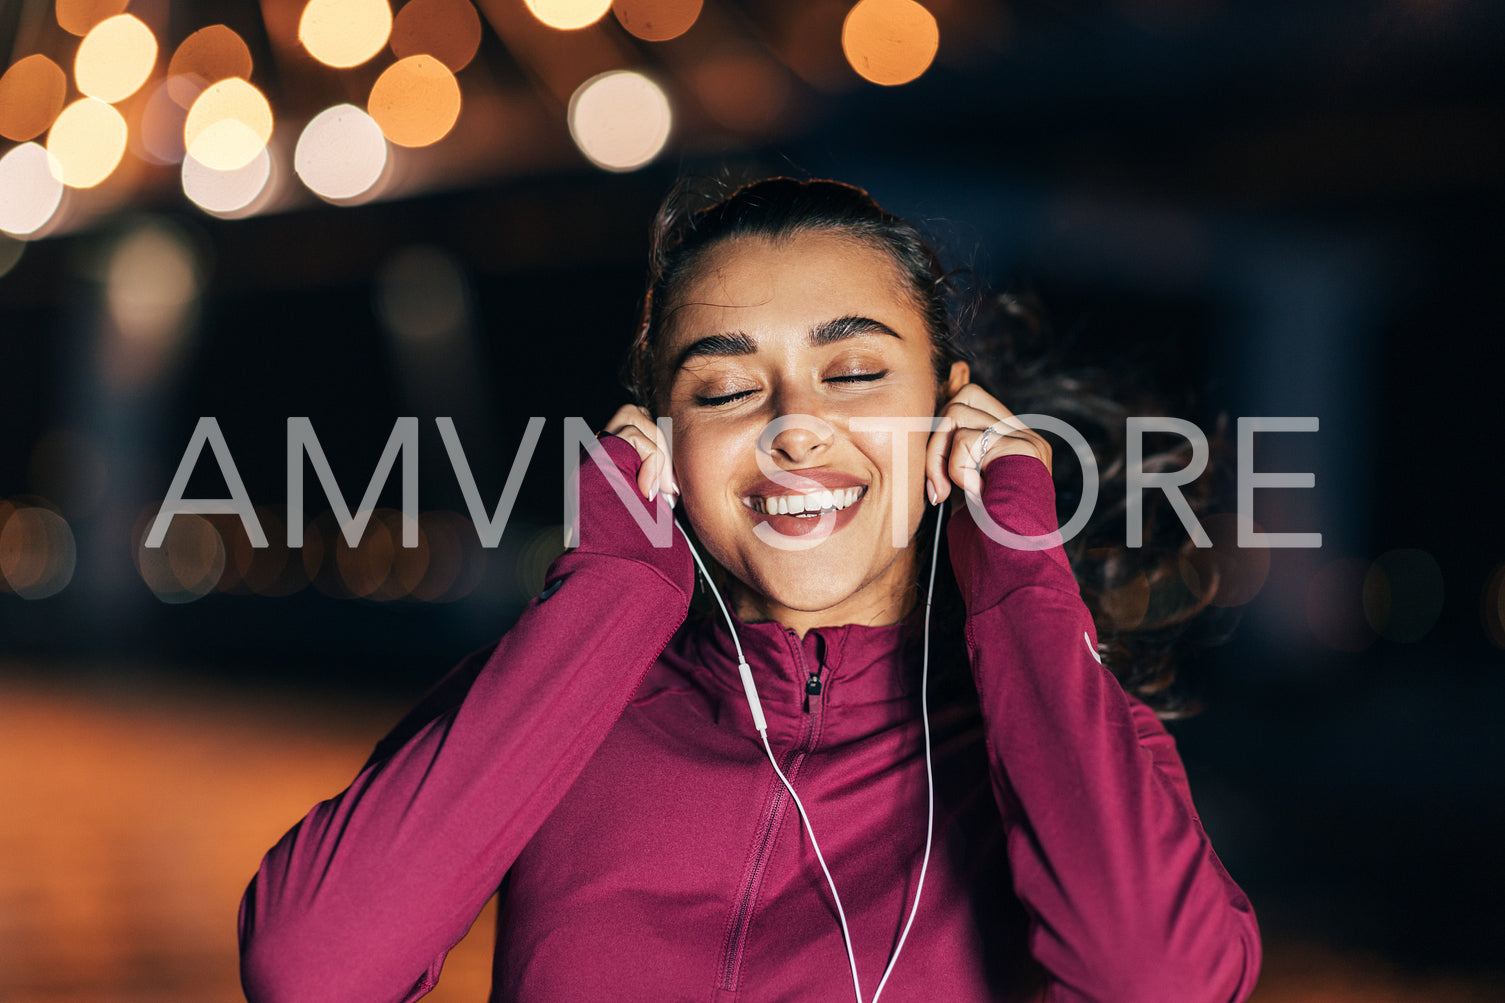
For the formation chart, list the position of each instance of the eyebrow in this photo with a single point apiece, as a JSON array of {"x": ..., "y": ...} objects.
[{"x": 825, "y": 333}]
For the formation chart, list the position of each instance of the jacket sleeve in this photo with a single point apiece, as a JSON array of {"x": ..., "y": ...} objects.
[
  {"x": 362, "y": 899},
  {"x": 1126, "y": 898}
]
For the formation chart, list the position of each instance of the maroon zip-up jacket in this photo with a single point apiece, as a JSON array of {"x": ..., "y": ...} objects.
[{"x": 600, "y": 766}]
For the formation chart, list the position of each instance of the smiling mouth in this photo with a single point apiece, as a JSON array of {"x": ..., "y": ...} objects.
[{"x": 811, "y": 505}]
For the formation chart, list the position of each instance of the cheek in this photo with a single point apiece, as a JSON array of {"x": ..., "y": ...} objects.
[{"x": 705, "y": 457}]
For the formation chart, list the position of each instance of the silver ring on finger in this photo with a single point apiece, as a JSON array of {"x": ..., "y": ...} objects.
[{"x": 988, "y": 435}]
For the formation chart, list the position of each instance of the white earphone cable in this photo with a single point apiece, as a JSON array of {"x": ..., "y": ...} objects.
[{"x": 762, "y": 726}]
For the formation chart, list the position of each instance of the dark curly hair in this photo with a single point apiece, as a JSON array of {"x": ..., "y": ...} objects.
[{"x": 1139, "y": 597}]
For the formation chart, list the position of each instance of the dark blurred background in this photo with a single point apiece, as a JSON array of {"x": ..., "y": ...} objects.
[{"x": 1269, "y": 208}]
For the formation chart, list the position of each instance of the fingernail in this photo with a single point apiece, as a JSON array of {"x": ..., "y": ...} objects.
[{"x": 930, "y": 491}]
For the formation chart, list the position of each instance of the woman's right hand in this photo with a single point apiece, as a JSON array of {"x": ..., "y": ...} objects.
[{"x": 636, "y": 426}]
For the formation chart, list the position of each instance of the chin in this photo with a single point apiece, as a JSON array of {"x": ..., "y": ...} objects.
[{"x": 808, "y": 590}]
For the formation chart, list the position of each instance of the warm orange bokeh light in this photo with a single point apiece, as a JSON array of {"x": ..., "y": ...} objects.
[
  {"x": 77, "y": 17},
  {"x": 448, "y": 30},
  {"x": 206, "y": 57},
  {"x": 31, "y": 95},
  {"x": 742, "y": 89},
  {"x": 416, "y": 101},
  {"x": 115, "y": 58},
  {"x": 86, "y": 143},
  {"x": 657, "y": 20},
  {"x": 189, "y": 563},
  {"x": 890, "y": 42},
  {"x": 37, "y": 552},
  {"x": 344, "y": 33},
  {"x": 366, "y": 568},
  {"x": 568, "y": 14},
  {"x": 228, "y": 125}
]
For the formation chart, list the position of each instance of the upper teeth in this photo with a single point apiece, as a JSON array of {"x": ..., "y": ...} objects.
[{"x": 796, "y": 504}]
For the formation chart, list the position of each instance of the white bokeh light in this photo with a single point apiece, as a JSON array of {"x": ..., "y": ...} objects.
[
  {"x": 620, "y": 119},
  {"x": 29, "y": 189},
  {"x": 221, "y": 192},
  {"x": 341, "y": 153}
]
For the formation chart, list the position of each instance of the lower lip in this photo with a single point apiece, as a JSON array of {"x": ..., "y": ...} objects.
[{"x": 801, "y": 525}]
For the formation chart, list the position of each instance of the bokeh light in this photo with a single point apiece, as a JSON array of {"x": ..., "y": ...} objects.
[
  {"x": 538, "y": 551},
  {"x": 115, "y": 58},
  {"x": 415, "y": 101},
  {"x": 448, "y": 30},
  {"x": 30, "y": 189},
  {"x": 657, "y": 20},
  {"x": 37, "y": 552},
  {"x": 802, "y": 40},
  {"x": 6, "y": 510},
  {"x": 11, "y": 251},
  {"x": 568, "y": 14},
  {"x": 409, "y": 564},
  {"x": 341, "y": 153},
  {"x": 228, "y": 125},
  {"x": 344, "y": 33},
  {"x": 742, "y": 89},
  {"x": 77, "y": 17},
  {"x": 226, "y": 192},
  {"x": 1335, "y": 605},
  {"x": 1225, "y": 574},
  {"x": 151, "y": 286},
  {"x": 1403, "y": 594},
  {"x": 188, "y": 565},
  {"x": 619, "y": 119},
  {"x": 206, "y": 57},
  {"x": 364, "y": 569},
  {"x": 31, "y": 95},
  {"x": 1492, "y": 606},
  {"x": 890, "y": 42},
  {"x": 265, "y": 571},
  {"x": 86, "y": 143},
  {"x": 422, "y": 295},
  {"x": 158, "y": 138}
]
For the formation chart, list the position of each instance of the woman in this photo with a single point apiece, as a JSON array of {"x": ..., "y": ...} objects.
[{"x": 605, "y": 766}]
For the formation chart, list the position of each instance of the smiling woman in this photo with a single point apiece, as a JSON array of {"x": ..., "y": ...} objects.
[{"x": 623, "y": 770}]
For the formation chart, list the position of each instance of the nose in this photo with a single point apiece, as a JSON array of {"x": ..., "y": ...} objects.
[{"x": 798, "y": 435}]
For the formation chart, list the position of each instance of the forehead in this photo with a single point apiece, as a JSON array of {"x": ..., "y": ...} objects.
[{"x": 783, "y": 288}]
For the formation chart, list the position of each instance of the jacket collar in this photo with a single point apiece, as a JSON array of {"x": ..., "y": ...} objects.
[{"x": 857, "y": 665}]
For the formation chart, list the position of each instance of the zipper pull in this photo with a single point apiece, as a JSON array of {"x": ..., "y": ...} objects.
[{"x": 812, "y": 685}]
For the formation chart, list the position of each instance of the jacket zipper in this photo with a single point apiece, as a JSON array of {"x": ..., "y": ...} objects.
[{"x": 736, "y": 941}]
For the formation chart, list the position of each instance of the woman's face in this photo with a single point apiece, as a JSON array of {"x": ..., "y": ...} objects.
[{"x": 815, "y": 325}]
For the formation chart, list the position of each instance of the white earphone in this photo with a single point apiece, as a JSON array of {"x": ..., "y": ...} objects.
[{"x": 762, "y": 725}]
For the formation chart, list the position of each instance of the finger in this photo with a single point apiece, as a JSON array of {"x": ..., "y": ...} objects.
[
  {"x": 649, "y": 456},
  {"x": 961, "y": 462},
  {"x": 656, "y": 474},
  {"x": 937, "y": 484},
  {"x": 959, "y": 416}
]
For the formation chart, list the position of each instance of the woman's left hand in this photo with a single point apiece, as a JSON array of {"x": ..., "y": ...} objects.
[{"x": 976, "y": 430}]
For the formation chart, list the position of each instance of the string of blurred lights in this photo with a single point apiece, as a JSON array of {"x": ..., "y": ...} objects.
[
  {"x": 206, "y": 112},
  {"x": 1351, "y": 602}
]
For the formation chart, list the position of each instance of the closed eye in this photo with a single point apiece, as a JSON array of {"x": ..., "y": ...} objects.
[
  {"x": 718, "y": 401},
  {"x": 858, "y": 377}
]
